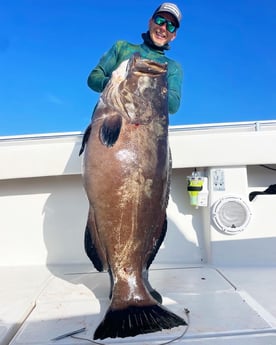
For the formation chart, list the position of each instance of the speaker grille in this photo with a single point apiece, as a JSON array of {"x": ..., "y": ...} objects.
[{"x": 231, "y": 215}]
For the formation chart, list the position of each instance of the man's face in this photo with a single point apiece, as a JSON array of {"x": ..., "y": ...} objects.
[{"x": 159, "y": 33}]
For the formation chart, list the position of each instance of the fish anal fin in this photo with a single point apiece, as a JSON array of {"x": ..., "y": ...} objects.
[
  {"x": 136, "y": 320},
  {"x": 159, "y": 234},
  {"x": 110, "y": 130}
]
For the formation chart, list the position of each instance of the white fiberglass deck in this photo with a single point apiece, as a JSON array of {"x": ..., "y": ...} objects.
[{"x": 227, "y": 306}]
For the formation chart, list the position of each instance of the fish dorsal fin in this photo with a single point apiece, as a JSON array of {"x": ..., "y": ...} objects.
[{"x": 110, "y": 130}]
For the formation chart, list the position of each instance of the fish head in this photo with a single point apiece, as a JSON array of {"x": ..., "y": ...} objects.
[
  {"x": 142, "y": 67},
  {"x": 144, "y": 90}
]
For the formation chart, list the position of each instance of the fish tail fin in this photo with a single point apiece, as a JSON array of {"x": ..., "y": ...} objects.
[{"x": 136, "y": 320}]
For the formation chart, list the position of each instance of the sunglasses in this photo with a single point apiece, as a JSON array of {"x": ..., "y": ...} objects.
[{"x": 159, "y": 20}]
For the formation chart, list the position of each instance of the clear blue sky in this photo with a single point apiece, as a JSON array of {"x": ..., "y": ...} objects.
[{"x": 48, "y": 47}]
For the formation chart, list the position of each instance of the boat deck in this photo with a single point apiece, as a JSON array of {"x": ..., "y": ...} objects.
[
  {"x": 229, "y": 306},
  {"x": 227, "y": 282}
]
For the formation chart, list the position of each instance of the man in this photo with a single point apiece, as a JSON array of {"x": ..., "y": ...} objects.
[{"x": 162, "y": 30}]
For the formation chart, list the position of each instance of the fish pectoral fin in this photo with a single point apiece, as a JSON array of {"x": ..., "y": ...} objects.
[{"x": 110, "y": 130}]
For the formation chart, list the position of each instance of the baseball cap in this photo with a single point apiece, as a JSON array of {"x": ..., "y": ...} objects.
[{"x": 170, "y": 8}]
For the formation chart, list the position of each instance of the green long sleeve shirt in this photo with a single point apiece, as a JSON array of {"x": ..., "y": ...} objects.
[{"x": 122, "y": 51}]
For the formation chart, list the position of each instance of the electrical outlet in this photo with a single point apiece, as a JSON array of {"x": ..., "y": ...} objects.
[{"x": 218, "y": 180}]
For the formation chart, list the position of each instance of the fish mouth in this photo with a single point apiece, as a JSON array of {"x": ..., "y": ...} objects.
[{"x": 138, "y": 65}]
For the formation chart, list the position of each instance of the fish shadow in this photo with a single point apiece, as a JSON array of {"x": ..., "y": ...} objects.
[
  {"x": 64, "y": 219},
  {"x": 75, "y": 278}
]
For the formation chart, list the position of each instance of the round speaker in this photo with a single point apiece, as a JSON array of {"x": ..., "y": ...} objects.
[{"x": 231, "y": 214}]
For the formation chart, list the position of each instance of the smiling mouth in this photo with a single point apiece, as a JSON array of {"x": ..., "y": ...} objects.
[{"x": 160, "y": 35}]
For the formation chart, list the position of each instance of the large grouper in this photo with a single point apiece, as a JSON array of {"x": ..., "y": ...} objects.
[{"x": 126, "y": 174}]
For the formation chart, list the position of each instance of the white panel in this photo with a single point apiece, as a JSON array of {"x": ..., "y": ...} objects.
[
  {"x": 184, "y": 242},
  {"x": 43, "y": 221},
  {"x": 220, "y": 148},
  {"x": 40, "y": 156},
  {"x": 255, "y": 245}
]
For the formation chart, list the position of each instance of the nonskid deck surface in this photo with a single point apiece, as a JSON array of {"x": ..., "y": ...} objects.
[{"x": 229, "y": 306}]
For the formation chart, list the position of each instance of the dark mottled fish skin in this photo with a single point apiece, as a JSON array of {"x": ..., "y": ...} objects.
[{"x": 126, "y": 178}]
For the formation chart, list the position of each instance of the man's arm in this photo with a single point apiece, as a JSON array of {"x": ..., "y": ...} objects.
[
  {"x": 175, "y": 77},
  {"x": 101, "y": 74}
]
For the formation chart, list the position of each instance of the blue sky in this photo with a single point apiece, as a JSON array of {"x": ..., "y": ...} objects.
[{"x": 48, "y": 47}]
